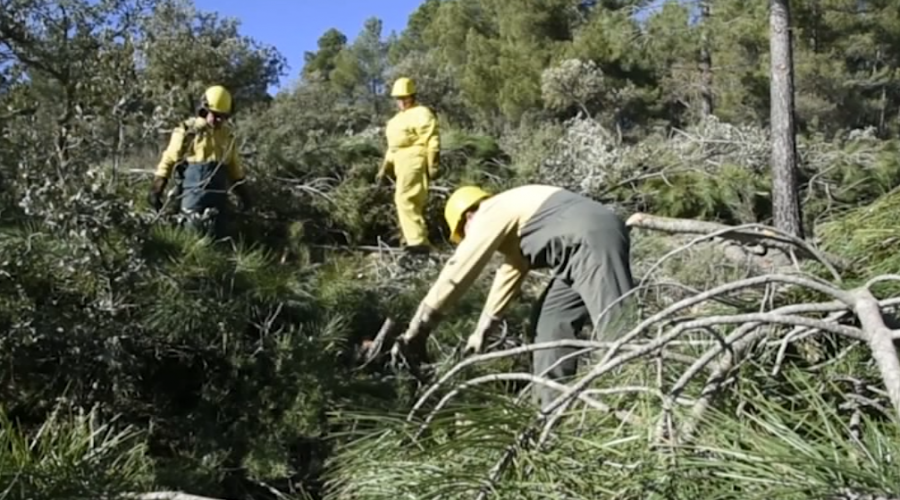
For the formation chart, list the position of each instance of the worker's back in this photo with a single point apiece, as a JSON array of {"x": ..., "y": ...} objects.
[{"x": 550, "y": 221}]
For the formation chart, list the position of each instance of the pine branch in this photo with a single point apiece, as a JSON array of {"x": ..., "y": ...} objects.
[
  {"x": 167, "y": 495},
  {"x": 748, "y": 234}
]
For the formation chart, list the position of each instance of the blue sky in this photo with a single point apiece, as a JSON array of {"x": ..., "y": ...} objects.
[{"x": 293, "y": 26}]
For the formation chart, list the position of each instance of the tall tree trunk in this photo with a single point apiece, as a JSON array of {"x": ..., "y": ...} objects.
[
  {"x": 785, "y": 196},
  {"x": 706, "y": 93}
]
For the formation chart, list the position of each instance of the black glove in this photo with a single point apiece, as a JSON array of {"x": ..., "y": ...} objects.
[
  {"x": 412, "y": 344},
  {"x": 154, "y": 197},
  {"x": 243, "y": 193}
]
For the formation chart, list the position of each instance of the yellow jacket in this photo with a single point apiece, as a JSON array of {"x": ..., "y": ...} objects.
[
  {"x": 413, "y": 133},
  {"x": 209, "y": 145},
  {"x": 496, "y": 227}
]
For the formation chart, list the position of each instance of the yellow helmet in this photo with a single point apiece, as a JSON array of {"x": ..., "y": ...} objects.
[
  {"x": 459, "y": 202},
  {"x": 217, "y": 99},
  {"x": 403, "y": 87}
]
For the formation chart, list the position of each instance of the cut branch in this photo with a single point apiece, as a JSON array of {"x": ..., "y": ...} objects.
[
  {"x": 880, "y": 340},
  {"x": 751, "y": 327},
  {"x": 166, "y": 495},
  {"x": 534, "y": 379},
  {"x": 748, "y": 234}
]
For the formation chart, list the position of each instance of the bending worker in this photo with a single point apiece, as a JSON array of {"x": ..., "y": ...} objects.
[
  {"x": 585, "y": 244},
  {"x": 205, "y": 147},
  {"x": 413, "y": 155}
]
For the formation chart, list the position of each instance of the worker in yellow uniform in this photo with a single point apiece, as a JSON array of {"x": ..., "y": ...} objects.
[
  {"x": 205, "y": 148},
  {"x": 413, "y": 156},
  {"x": 583, "y": 242}
]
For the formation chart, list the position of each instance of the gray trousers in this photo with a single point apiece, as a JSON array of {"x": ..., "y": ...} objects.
[
  {"x": 596, "y": 274},
  {"x": 205, "y": 185}
]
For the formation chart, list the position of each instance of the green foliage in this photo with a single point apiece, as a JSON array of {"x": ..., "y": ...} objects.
[
  {"x": 412, "y": 38},
  {"x": 795, "y": 450},
  {"x": 865, "y": 236},
  {"x": 855, "y": 168},
  {"x": 359, "y": 69},
  {"x": 217, "y": 53},
  {"x": 733, "y": 195},
  {"x": 797, "y": 447},
  {"x": 321, "y": 63},
  {"x": 71, "y": 455},
  {"x": 233, "y": 367}
]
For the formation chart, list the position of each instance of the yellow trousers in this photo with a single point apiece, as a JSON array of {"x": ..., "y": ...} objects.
[{"x": 411, "y": 195}]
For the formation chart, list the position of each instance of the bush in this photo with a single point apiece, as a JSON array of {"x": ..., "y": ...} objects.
[{"x": 72, "y": 454}]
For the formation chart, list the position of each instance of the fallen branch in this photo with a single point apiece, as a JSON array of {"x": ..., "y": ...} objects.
[
  {"x": 669, "y": 312},
  {"x": 584, "y": 397},
  {"x": 584, "y": 344},
  {"x": 880, "y": 340},
  {"x": 738, "y": 341},
  {"x": 874, "y": 332},
  {"x": 749, "y": 329},
  {"x": 784, "y": 319},
  {"x": 752, "y": 234},
  {"x": 831, "y": 307},
  {"x": 551, "y": 414},
  {"x": 166, "y": 495},
  {"x": 381, "y": 343}
]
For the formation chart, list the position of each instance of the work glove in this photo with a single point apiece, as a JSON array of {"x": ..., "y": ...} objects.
[
  {"x": 243, "y": 193},
  {"x": 411, "y": 345},
  {"x": 156, "y": 193},
  {"x": 434, "y": 161},
  {"x": 475, "y": 342}
]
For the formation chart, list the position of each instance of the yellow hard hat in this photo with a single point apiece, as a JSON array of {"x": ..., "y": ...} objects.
[
  {"x": 459, "y": 202},
  {"x": 403, "y": 87},
  {"x": 217, "y": 99}
]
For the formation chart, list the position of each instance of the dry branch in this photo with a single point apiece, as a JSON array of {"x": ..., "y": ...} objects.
[
  {"x": 748, "y": 234},
  {"x": 584, "y": 344},
  {"x": 382, "y": 342},
  {"x": 861, "y": 302},
  {"x": 880, "y": 340},
  {"x": 738, "y": 342},
  {"x": 166, "y": 495},
  {"x": 584, "y": 397},
  {"x": 669, "y": 312}
]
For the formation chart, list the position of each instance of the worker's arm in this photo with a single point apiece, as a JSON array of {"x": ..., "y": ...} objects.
[
  {"x": 492, "y": 227},
  {"x": 472, "y": 254},
  {"x": 393, "y": 135},
  {"x": 507, "y": 281},
  {"x": 488, "y": 231},
  {"x": 170, "y": 155},
  {"x": 233, "y": 160},
  {"x": 428, "y": 135},
  {"x": 386, "y": 167}
]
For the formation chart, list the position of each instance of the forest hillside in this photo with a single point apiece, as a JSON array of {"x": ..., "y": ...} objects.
[{"x": 752, "y": 147}]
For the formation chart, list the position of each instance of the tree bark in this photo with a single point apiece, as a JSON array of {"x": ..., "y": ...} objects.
[
  {"x": 706, "y": 92},
  {"x": 785, "y": 196}
]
